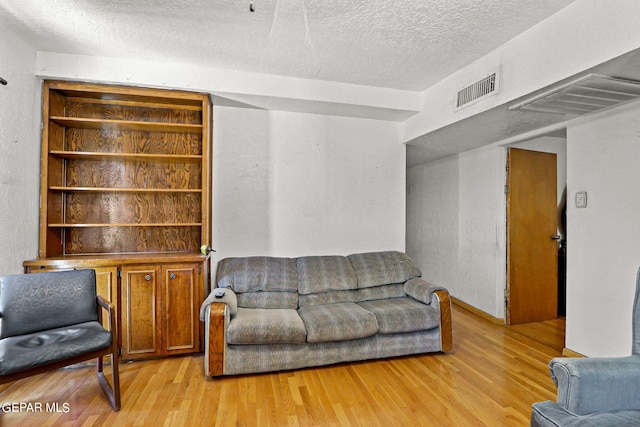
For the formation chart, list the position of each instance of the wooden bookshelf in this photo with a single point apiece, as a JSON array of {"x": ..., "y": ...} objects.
[{"x": 126, "y": 185}]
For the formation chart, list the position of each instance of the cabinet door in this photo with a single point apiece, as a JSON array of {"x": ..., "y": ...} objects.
[
  {"x": 181, "y": 298},
  {"x": 107, "y": 287},
  {"x": 140, "y": 320}
]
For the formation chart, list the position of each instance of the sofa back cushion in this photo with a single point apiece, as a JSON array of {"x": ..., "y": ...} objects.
[
  {"x": 260, "y": 282},
  {"x": 383, "y": 268},
  {"x": 326, "y": 280}
]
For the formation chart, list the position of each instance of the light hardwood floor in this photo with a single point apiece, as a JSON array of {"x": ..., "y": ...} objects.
[{"x": 490, "y": 379}]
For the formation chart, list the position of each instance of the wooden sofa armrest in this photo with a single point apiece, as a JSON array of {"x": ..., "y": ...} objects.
[
  {"x": 446, "y": 328},
  {"x": 215, "y": 339}
]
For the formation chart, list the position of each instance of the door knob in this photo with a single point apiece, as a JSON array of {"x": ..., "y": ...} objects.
[{"x": 556, "y": 237}]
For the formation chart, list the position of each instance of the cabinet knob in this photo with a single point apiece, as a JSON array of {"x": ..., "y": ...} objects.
[
  {"x": 147, "y": 277},
  {"x": 172, "y": 276}
]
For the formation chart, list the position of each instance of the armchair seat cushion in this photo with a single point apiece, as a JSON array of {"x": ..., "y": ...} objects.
[
  {"x": 28, "y": 351},
  {"x": 550, "y": 414},
  {"x": 405, "y": 314},
  {"x": 337, "y": 322}
]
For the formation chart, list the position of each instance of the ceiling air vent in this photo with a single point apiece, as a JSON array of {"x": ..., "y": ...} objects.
[
  {"x": 582, "y": 96},
  {"x": 477, "y": 91}
]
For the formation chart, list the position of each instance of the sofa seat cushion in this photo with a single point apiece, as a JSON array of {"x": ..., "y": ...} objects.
[
  {"x": 381, "y": 292},
  {"x": 266, "y": 326},
  {"x": 29, "y": 351},
  {"x": 337, "y": 322},
  {"x": 268, "y": 299},
  {"x": 405, "y": 314},
  {"x": 331, "y": 297}
]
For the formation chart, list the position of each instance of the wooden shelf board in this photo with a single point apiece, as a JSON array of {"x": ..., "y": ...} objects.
[
  {"x": 185, "y": 224},
  {"x": 111, "y": 259},
  {"x": 146, "y": 103},
  {"x": 86, "y": 155},
  {"x": 109, "y": 92},
  {"x": 123, "y": 190},
  {"x": 126, "y": 125}
]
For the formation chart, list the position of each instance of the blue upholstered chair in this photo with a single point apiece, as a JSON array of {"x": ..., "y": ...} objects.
[
  {"x": 51, "y": 320},
  {"x": 599, "y": 392}
]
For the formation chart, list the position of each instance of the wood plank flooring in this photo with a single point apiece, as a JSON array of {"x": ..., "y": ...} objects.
[{"x": 490, "y": 378}]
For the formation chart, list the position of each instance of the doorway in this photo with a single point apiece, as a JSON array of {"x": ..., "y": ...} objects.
[{"x": 536, "y": 176}]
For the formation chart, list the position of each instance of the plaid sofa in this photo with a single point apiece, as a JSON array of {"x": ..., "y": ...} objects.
[{"x": 288, "y": 313}]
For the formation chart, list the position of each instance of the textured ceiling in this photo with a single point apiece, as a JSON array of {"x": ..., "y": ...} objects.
[{"x": 398, "y": 44}]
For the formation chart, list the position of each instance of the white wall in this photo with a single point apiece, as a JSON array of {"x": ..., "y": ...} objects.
[
  {"x": 292, "y": 184},
  {"x": 455, "y": 225},
  {"x": 456, "y": 220},
  {"x": 452, "y": 206},
  {"x": 19, "y": 153},
  {"x": 604, "y": 238}
]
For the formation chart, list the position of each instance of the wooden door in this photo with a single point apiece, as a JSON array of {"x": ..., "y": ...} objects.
[
  {"x": 140, "y": 323},
  {"x": 180, "y": 305},
  {"x": 532, "y": 226}
]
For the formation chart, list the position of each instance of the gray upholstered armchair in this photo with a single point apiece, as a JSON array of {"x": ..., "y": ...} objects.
[
  {"x": 595, "y": 391},
  {"x": 51, "y": 320}
]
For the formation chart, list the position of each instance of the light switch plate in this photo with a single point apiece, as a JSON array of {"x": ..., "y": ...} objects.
[{"x": 581, "y": 199}]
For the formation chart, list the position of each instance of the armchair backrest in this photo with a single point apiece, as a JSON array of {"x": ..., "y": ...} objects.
[
  {"x": 37, "y": 302},
  {"x": 636, "y": 318}
]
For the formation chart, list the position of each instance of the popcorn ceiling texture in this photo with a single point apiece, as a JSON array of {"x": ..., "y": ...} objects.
[{"x": 388, "y": 43}]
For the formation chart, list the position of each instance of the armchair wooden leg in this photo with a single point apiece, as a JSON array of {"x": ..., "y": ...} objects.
[{"x": 112, "y": 391}]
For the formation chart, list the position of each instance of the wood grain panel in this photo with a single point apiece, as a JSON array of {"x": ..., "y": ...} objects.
[
  {"x": 105, "y": 240},
  {"x": 135, "y": 174},
  {"x": 446, "y": 328},
  {"x": 55, "y": 103},
  {"x": 55, "y": 171},
  {"x": 55, "y": 238},
  {"x": 116, "y": 141},
  {"x": 132, "y": 208},
  {"x": 132, "y": 112},
  {"x": 216, "y": 339},
  {"x": 56, "y": 136}
]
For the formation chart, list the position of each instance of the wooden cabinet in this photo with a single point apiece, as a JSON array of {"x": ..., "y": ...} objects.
[
  {"x": 160, "y": 310},
  {"x": 157, "y": 298},
  {"x": 126, "y": 190}
]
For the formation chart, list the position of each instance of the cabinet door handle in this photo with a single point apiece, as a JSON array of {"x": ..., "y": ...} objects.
[
  {"x": 147, "y": 277},
  {"x": 172, "y": 276}
]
